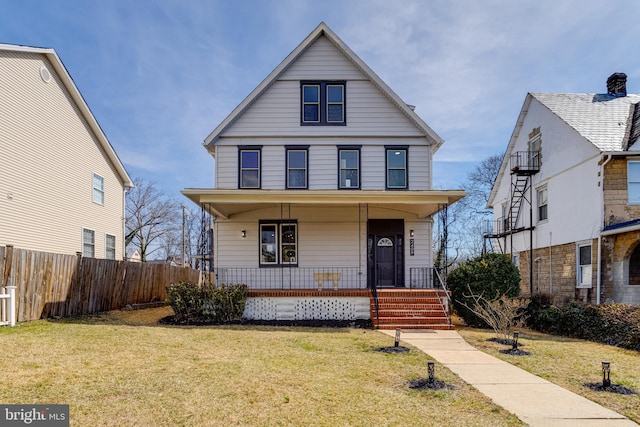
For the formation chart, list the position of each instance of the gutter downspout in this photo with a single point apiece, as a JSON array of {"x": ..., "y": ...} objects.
[
  {"x": 550, "y": 266},
  {"x": 123, "y": 245},
  {"x": 599, "y": 268}
]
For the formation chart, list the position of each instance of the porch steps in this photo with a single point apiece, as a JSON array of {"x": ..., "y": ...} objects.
[{"x": 410, "y": 309}]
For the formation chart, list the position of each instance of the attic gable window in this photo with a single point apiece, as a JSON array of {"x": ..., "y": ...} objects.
[{"x": 323, "y": 103}]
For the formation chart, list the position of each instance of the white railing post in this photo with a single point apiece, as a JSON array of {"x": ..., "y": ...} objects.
[{"x": 11, "y": 307}]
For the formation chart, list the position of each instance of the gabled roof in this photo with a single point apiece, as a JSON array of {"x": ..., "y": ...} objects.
[
  {"x": 66, "y": 79},
  {"x": 322, "y": 30},
  {"x": 611, "y": 124},
  {"x": 604, "y": 120}
]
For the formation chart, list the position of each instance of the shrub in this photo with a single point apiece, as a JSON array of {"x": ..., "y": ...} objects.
[
  {"x": 207, "y": 303},
  {"x": 500, "y": 314},
  {"x": 490, "y": 276},
  {"x": 613, "y": 324},
  {"x": 542, "y": 315}
]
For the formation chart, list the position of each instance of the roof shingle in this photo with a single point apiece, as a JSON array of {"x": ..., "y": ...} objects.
[{"x": 605, "y": 120}]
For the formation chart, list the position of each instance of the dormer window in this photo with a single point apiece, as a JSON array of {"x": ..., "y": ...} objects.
[{"x": 323, "y": 103}]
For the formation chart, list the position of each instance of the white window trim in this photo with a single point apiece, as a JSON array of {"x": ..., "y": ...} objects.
[
  {"x": 629, "y": 201},
  {"x": 107, "y": 247},
  {"x": 93, "y": 244},
  {"x": 100, "y": 191},
  {"x": 579, "y": 282},
  {"x": 538, "y": 190}
]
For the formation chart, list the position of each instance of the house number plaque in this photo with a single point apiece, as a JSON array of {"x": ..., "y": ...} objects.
[{"x": 411, "y": 247}]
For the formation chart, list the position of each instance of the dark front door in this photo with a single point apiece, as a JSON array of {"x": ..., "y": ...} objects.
[
  {"x": 385, "y": 253},
  {"x": 385, "y": 261}
]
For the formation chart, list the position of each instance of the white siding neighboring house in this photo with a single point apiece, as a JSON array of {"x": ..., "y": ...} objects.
[
  {"x": 62, "y": 185},
  {"x": 567, "y": 189},
  {"x": 323, "y": 178}
]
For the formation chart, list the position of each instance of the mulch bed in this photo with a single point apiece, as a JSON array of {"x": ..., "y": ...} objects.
[
  {"x": 361, "y": 324},
  {"x": 613, "y": 388},
  {"x": 504, "y": 341},
  {"x": 516, "y": 352},
  {"x": 425, "y": 384},
  {"x": 393, "y": 350}
]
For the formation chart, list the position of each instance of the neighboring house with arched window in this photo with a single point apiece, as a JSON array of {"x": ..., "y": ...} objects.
[{"x": 569, "y": 188}]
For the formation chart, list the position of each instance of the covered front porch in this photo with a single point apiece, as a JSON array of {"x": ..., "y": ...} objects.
[
  {"x": 317, "y": 254},
  {"x": 323, "y": 239}
]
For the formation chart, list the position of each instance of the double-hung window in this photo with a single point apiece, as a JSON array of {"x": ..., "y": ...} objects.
[
  {"x": 323, "y": 103},
  {"x": 541, "y": 194},
  {"x": 585, "y": 269},
  {"x": 98, "y": 189},
  {"x": 633, "y": 182},
  {"x": 110, "y": 246},
  {"x": 349, "y": 167},
  {"x": 297, "y": 167},
  {"x": 278, "y": 243},
  {"x": 249, "y": 167},
  {"x": 88, "y": 243},
  {"x": 397, "y": 168}
]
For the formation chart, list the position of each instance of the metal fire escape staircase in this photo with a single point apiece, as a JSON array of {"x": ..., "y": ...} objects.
[
  {"x": 523, "y": 165},
  {"x": 519, "y": 187}
]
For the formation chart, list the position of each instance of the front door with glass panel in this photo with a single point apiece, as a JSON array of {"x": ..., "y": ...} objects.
[{"x": 385, "y": 253}]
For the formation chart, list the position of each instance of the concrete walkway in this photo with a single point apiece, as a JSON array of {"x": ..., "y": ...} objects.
[{"x": 536, "y": 401}]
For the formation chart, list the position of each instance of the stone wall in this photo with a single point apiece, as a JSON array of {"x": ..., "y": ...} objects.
[
  {"x": 554, "y": 273},
  {"x": 616, "y": 251},
  {"x": 616, "y": 207}
]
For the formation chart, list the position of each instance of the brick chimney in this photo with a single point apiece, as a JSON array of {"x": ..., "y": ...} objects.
[{"x": 617, "y": 85}]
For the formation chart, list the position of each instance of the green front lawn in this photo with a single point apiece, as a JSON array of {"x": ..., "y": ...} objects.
[{"x": 121, "y": 368}]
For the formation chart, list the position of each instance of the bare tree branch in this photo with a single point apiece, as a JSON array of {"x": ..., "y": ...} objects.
[{"x": 152, "y": 219}]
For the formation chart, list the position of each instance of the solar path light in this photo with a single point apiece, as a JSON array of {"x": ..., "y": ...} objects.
[
  {"x": 431, "y": 367},
  {"x": 606, "y": 374}
]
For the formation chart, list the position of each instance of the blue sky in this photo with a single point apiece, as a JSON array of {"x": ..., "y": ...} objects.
[{"x": 160, "y": 75}]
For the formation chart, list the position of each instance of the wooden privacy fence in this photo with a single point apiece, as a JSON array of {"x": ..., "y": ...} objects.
[{"x": 55, "y": 285}]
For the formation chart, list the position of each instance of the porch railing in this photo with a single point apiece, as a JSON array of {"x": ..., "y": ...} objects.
[
  {"x": 423, "y": 278},
  {"x": 294, "y": 277}
]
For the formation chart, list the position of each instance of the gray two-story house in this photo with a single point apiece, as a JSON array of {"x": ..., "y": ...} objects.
[{"x": 323, "y": 189}]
